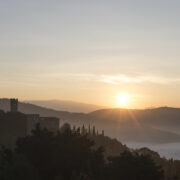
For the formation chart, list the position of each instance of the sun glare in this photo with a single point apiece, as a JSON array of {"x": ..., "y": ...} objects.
[{"x": 123, "y": 100}]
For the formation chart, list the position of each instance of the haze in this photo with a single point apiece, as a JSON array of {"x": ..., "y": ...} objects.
[{"x": 91, "y": 51}]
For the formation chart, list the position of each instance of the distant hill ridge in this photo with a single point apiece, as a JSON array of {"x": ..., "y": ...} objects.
[
  {"x": 62, "y": 105},
  {"x": 159, "y": 125}
]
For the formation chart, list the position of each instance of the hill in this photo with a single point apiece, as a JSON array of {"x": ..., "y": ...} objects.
[
  {"x": 159, "y": 125},
  {"x": 70, "y": 106},
  {"x": 113, "y": 147},
  {"x": 164, "y": 118},
  {"x": 28, "y": 108}
]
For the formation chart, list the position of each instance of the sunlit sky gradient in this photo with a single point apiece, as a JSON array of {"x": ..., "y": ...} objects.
[{"x": 91, "y": 51}]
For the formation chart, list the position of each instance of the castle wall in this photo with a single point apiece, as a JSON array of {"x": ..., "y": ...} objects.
[
  {"x": 11, "y": 129},
  {"x": 50, "y": 123}
]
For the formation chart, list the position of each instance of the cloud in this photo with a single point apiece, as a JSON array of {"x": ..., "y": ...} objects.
[
  {"x": 123, "y": 78},
  {"x": 117, "y": 79},
  {"x": 113, "y": 78}
]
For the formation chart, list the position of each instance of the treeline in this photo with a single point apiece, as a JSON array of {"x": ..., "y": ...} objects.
[{"x": 68, "y": 155}]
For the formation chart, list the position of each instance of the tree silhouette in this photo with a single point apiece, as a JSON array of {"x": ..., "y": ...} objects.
[
  {"x": 61, "y": 155},
  {"x": 130, "y": 166},
  {"x": 68, "y": 155}
]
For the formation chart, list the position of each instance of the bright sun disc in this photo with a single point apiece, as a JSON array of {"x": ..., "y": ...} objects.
[{"x": 123, "y": 99}]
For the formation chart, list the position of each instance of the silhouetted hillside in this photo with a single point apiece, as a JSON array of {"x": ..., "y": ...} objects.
[
  {"x": 60, "y": 154},
  {"x": 112, "y": 147},
  {"x": 28, "y": 108},
  {"x": 149, "y": 126},
  {"x": 165, "y": 118}
]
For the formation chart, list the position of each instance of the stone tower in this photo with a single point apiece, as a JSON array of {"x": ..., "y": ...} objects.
[{"x": 14, "y": 105}]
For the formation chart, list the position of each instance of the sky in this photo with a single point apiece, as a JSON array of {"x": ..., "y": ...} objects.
[{"x": 91, "y": 51}]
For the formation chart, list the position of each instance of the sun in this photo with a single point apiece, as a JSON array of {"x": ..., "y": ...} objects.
[{"x": 123, "y": 99}]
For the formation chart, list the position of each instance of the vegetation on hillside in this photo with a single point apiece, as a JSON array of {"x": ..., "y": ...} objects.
[{"x": 68, "y": 155}]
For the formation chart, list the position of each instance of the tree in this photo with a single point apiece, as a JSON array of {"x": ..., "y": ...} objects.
[
  {"x": 15, "y": 166},
  {"x": 130, "y": 166},
  {"x": 61, "y": 155},
  {"x": 68, "y": 155}
]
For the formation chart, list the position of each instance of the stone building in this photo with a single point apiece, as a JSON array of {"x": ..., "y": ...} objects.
[
  {"x": 14, "y": 105},
  {"x": 14, "y": 124}
]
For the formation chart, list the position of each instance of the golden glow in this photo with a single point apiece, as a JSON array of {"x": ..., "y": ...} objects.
[{"x": 123, "y": 100}]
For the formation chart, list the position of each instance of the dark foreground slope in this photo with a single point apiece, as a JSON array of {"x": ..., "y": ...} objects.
[
  {"x": 113, "y": 147},
  {"x": 68, "y": 155}
]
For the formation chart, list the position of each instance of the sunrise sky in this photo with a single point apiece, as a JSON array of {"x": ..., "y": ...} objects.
[{"x": 91, "y": 51}]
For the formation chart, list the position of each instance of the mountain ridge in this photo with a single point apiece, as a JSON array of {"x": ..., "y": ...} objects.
[
  {"x": 126, "y": 125},
  {"x": 66, "y": 105}
]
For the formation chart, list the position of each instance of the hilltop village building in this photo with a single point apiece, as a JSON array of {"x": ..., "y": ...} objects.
[
  {"x": 18, "y": 125},
  {"x": 14, "y": 105},
  {"x": 50, "y": 123}
]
